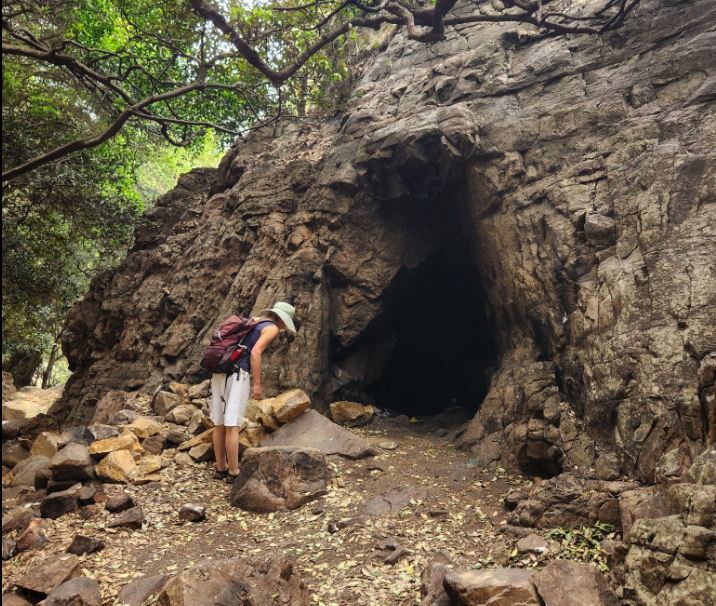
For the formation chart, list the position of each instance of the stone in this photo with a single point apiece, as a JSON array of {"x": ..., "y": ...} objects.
[
  {"x": 192, "y": 512},
  {"x": 126, "y": 441},
  {"x": 123, "y": 417},
  {"x": 183, "y": 459},
  {"x": 117, "y": 466},
  {"x": 493, "y": 586},
  {"x": 288, "y": 405},
  {"x": 202, "y": 453},
  {"x": 392, "y": 500},
  {"x": 312, "y": 430},
  {"x": 203, "y": 438},
  {"x": 89, "y": 512},
  {"x": 199, "y": 422},
  {"x": 73, "y": 462},
  {"x": 112, "y": 402},
  {"x": 533, "y": 543},
  {"x": 57, "y": 485},
  {"x": 8, "y": 548},
  {"x": 13, "y": 454},
  {"x": 86, "y": 495},
  {"x": 141, "y": 591},
  {"x": 181, "y": 415},
  {"x": 101, "y": 431},
  {"x": 17, "y": 519},
  {"x": 432, "y": 590},
  {"x": 59, "y": 503},
  {"x": 79, "y": 434},
  {"x": 279, "y": 479},
  {"x": 79, "y": 591},
  {"x": 388, "y": 445},
  {"x": 351, "y": 414},
  {"x": 261, "y": 412},
  {"x": 23, "y": 474},
  {"x": 148, "y": 465},
  {"x": 200, "y": 390},
  {"x": 82, "y": 545},
  {"x": 119, "y": 502},
  {"x": 131, "y": 518},
  {"x": 46, "y": 444},
  {"x": 44, "y": 576},
  {"x": 236, "y": 580},
  {"x": 154, "y": 444},
  {"x": 565, "y": 582},
  {"x": 14, "y": 599},
  {"x": 164, "y": 401},
  {"x": 143, "y": 427}
]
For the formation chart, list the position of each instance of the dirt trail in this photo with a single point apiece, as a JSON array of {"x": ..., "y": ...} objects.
[{"x": 458, "y": 515}]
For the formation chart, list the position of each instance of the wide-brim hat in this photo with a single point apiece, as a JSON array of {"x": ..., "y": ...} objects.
[{"x": 285, "y": 312}]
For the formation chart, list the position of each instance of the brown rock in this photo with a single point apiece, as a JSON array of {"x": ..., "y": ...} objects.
[
  {"x": 59, "y": 503},
  {"x": 154, "y": 444},
  {"x": 312, "y": 430},
  {"x": 80, "y": 591},
  {"x": 183, "y": 459},
  {"x": 73, "y": 462},
  {"x": 111, "y": 402},
  {"x": 8, "y": 548},
  {"x": 126, "y": 441},
  {"x": 100, "y": 431},
  {"x": 351, "y": 414},
  {"x": 199, "y": 422},
  {"x": 564, "y": 583},
  {"x": 431, "y": 587},
  {"x": 203, "y": 438},
  {"x": 119, "y": 502},
  {"x": 82, "y": 545},
  {"x": 14, "y": 453},
  {"x": 131, "y": 518},
  {"x": 279, "y": 479},
  {"x": 392, "y": 500},
  {"x": 202, "y": 452},
  {"x": 494, "y": 586},
  {"x": 79, "y": 434},
  {"x": 45, "y": 576},
  {"x": 23, "y": 474},
  {"x": 17, "y": 519},
  {"x": 14, "y": 599},
  {"x": 164, "y": 401},
  {"x": 143, "y": 427},
  {"x": 118, "y": 466},
  {"x": 182, "y": 414},
  {"x": 532, "y": 543},
  {"x": 233, "y": 581},
  {"x": 140, "y": 591},
  {"x": 89, "y": 512},
  {"x": 261, "y": 412},
  {"x": 46, "y": 443},
  {"x": 192, "y": 512},
  {"x": 200, "y": 390}
]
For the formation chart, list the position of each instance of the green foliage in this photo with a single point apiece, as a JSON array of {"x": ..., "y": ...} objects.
[{"x": 584, "y": 543}]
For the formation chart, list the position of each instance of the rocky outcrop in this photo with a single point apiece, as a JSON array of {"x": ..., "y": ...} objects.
[{"x": 571, "y": 176}]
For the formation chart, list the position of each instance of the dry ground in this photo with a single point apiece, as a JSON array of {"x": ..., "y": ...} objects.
[{"x": 340, "y": 568}]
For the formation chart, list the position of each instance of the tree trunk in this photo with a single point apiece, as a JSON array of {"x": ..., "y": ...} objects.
[
  {"x": 47, "y": 375},
  {"x": 22, "y": 366}
]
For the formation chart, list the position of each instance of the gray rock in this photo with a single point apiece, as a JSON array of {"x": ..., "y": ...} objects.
[
  {"x": 119, "y": 502},
  {"x": 44, "y": 576},
  {"x": 25, "y": 471},
  {"x": 73, "y": 462},
  {"x": 131, "y": 518},
  {"x": 139, "y": 591},
  {"x": 312, "y": 430},
  {"x": 80, "y": 591},
  {"x": 101, "y": 431},
  {"x": 59, "y": 503}
]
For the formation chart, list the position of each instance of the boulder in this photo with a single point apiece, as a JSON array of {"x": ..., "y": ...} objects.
[
  {"x": 131, "y": 518},
  {"x": 80, "y": 591},
  {"x": 493, "y": 586},
  {"x": 12, "y": 454},
  {"x": 164, "y": 401},
  {"x": 261, "y": 412},
  {"x": 141, "y": 591},
  {"x": 117, "y": 466},
  {"x": 78, "y": 433},
  {"x": 199, "y": 422},
  {"x": 432, "y": 589},
  {"x": 126, "y": 441},
  {"x": 44, "y": 576},
  {"x": 112, "y": 402},
  {"x": 154, "y": 444},
  {"x": 82, "y": 545},
  {"x": 312, "y": 430},
  {"x": 279, "y": 478},
  {"x": 236, "y": 581},
  {"x": 59, "y": 503},
  {"x": 100, "y": 431},
  {"x": 17, "y": 519},
  {"x": 46, "y": 443},
  {"x": 183, "y": 459},
  {"x": 565, "y": 582},
  {"x": 252, "y": 434},
  {"x": 202, "y": 452},
  {"x": 23, "y": 474},
  {"x": 182, "y": 414},
  {"x": 203, "y": 438},
  {"x": 73, "y": 462},
  {"x": 143, "y": 427},
  {"x": 351, "y": 414},
  {"x": 14, "y": 599},
  {"x": 289, "y": 404}
]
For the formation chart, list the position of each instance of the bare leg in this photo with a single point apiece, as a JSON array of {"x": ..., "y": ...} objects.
[
  {"x": 232, "y": 449},
  {"x": 219, "y": 439}
]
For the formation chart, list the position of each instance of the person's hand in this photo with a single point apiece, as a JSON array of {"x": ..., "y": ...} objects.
[{"x": 257, "y": 393}]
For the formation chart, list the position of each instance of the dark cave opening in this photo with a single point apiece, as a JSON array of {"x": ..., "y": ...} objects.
[{"x": 443, "y": 348}]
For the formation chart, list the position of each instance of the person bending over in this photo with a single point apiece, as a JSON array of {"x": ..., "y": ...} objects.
[{"x": 230, "y": 392}]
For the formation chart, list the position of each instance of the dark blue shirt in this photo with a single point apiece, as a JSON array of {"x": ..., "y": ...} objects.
[{"x": 249, "y": 342}]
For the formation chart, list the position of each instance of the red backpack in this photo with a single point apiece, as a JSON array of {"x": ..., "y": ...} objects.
[{"x": 225, "y": 349}]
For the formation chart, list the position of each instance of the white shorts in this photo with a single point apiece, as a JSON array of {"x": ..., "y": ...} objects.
[{"x": 229, "y": 398}]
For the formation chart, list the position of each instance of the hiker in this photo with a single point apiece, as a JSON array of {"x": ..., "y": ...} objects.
[{"x": 230, "y": 391}]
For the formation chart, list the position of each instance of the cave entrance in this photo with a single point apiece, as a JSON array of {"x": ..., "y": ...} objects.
[{"x": 442, "y": 348}]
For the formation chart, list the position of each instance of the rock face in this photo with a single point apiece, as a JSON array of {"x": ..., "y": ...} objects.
[
  {"x": 279, "y": 478},
  {"x": 573, "y": 176}
]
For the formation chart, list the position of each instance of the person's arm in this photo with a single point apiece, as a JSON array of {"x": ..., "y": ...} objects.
[{"x": 268, "y": 334}]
